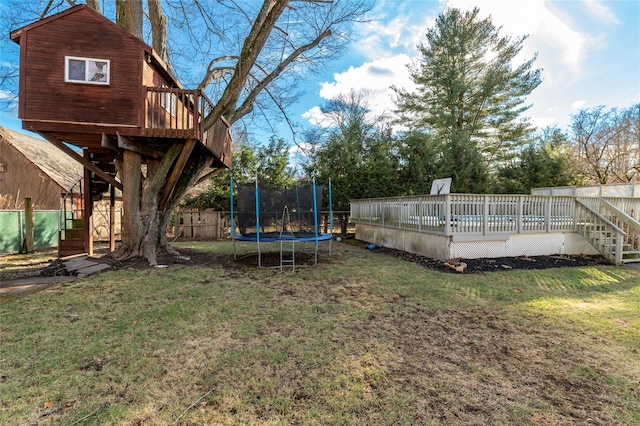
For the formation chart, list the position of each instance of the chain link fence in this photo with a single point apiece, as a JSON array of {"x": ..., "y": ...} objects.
[{"x": 12, "y": 229}]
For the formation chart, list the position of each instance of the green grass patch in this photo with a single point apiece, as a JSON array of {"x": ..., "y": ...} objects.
[{"x": 362, "y": 338}]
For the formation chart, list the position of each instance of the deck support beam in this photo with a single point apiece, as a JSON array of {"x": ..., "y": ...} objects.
[
  {"x": 112, "y": 219},
  {"x": 138, "y": 148},
  {"x": 87, "y": 214},
  {"x": 80, "y": 159}
]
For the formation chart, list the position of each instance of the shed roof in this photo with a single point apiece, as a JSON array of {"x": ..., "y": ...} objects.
[{"x": 61, "y": 168}]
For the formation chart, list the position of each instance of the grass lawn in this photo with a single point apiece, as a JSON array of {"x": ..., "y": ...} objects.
[{"x": 362, "y": 338}]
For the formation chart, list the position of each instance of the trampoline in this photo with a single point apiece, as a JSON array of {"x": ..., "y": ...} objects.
[{"x": 266, "y": 213}]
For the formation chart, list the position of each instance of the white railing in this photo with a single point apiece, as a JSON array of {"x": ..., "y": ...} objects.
[
  {"x": 601, "y": 233},
  {"x": 630, "y": 190},
  {"x": 630, "y": 206},
  {"x": 468, "y": 213},
  {"x": 625, "y": 222}
]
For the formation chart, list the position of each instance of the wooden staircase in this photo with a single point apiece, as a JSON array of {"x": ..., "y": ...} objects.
[
  {"x": 71, "y": 240},
  {"x": 610, "y": 230},
  {"x": 606, "y": 241},
  {"x": 71, "y": 233}
]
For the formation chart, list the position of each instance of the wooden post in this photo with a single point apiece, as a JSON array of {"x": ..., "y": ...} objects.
[
  {"x": 112, "y": 220},
  {"x": 519, "y": 213},
  {"x": 28, "y": 225},
  {"x": 485, "y": 215},
  {"x": 88, "y": 207},
  {"x": 447, "y": 215}
]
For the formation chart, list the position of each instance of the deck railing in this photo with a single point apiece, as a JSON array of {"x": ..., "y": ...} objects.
[
  {"x": 173, "y": 112},
  {"x": 626, "y": 222},
  {"x": 218, "y": 139},
  {"x": 180, "y": 113},
  {"x": 468, "y": 213},
  {"x": 601, "y": 233},
  {"x": 622, "y": 213}
]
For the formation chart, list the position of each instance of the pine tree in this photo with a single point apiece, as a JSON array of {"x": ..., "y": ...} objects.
[{"x": 469, "y": 96}]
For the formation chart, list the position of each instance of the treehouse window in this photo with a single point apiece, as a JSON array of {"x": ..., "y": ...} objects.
[
  {"x": 168, "y": 101},
  {"x": 86, "y": 70}
]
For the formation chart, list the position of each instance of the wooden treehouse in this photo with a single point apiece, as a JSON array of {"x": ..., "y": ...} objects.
[{"x": 86, "y": 82}]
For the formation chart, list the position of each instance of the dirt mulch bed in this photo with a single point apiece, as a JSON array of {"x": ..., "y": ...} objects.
[
  {"x": 499, "y": 263},
  {"x": 272, "y": 259}
]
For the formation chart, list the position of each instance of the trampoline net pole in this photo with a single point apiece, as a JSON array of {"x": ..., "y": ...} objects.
[
  {"x": 258, "y": 222},
  {"x": 233, "y": 221},
  {"x": 330, "y": 218}
]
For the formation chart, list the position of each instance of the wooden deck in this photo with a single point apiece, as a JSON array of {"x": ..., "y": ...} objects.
[
  {"x": 515, "y": 224},
  {"x": 169, "y": 114}
]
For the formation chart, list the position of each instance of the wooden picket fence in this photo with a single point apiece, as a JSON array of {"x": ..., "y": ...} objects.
[{"x": 201, "y": 225}]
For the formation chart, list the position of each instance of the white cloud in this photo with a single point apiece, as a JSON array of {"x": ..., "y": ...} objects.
[
  {"x": 5, "y": 94},
  {"x": 316, "y": 117},
  {"x": 380, "y": 39},
  {"x": 599, "y": 11},
  {"x": 376, "y": 77},
  {"x": 578, "y": 104},
  {"x": 542, "y": 122}
]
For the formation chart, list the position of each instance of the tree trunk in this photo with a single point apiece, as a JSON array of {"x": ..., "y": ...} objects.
[
  {"x": 146, "y": 209},
  {"x": 93, "y": 4},
  {"x": 158, "y": 28},
  {"x": 129, "y": 16},
  {"x": 145, "y": 216},
  {"x": 344, "y": 223},
  {"x": 142, "y": 229}
]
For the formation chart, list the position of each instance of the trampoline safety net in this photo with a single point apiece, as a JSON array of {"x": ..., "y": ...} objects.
[{"x": 282, "y": 212}]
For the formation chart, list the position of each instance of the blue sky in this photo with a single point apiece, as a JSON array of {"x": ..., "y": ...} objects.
[{"x": 589, "y": 51}]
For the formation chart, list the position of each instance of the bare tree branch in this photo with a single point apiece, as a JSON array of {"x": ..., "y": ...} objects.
[
  {"x": 213, "y": 72},
  {"x": 255, "y": 41},
  {"x": 247, "y": 104},
  {"x": 46, "y": 9}
]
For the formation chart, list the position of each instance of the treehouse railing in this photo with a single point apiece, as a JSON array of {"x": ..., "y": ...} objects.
[
  {"x": 218, "y": 139},
  {"x": 180, "y": 113}
]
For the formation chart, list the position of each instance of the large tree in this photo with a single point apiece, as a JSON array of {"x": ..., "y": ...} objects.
[
  {"x": 354, "y": 150},
  {"x": 607, "y": 144},
  {"x": 469, "y": 96},
  {"x": 245, "y": 55}
]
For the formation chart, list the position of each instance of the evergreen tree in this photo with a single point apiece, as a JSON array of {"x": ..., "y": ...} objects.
[
  {"x": 355, "y": 151},
  {"x": 469, "y": 96},
  {"x": 269, "y": 163},
  {"x": 273, "y": 163},
  {"x": 419, "y": 155},
  {"x": 546, "y": 162}
]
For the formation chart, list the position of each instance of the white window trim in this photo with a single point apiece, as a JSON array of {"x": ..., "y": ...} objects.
[
  {"x": 86, "y": 80},
  {"x": 169, "y": 102}
]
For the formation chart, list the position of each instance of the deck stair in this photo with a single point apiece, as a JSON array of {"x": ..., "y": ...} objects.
[
  {"x": 71, "y": 239},
  {"x": 106, "y": 164},
  {"x": 611, "y": 231}
]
